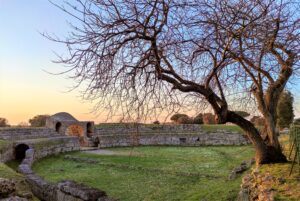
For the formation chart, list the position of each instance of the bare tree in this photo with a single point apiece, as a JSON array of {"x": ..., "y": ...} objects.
[{"x": 141, "y": 56}]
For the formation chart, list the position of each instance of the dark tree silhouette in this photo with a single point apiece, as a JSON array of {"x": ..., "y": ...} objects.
[
  {"x": 143, "y": 55},
  {"x": 285, "y": 110}
]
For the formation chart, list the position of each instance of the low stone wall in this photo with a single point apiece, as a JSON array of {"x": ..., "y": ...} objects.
[
  {"x": 11, "y": 133},
  {"x": 171, "y": 139},
  {"x": 178, "y": 135},
  {"x": 149, "y": 129},
  {"x": 6, "y": 152},
  {"x": 258, "y": 186},
  {"x": 51, "y": 146},
  {"x": 62, "y": 191},
  {"x": 43, "y": 146}
]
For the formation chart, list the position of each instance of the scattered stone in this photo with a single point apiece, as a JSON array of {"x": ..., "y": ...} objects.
[
  {"x": 243, "y": 195},
  {"x": 7, "y": 187},
  {"x": 281, "y": 180},
  {"x": 245, "y": 165},
  {"x": 81, "y": 191},
  {"x": 260, "y": 186},
  {"x": 15, "y": 198}
]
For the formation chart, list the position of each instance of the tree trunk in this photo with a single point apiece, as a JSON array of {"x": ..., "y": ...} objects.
[
  {"x": 265, "y": 153},
  {"x": 271, "y": 135}
]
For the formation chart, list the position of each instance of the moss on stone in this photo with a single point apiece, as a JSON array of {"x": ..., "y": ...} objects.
[{"x": 22, "y": 188}]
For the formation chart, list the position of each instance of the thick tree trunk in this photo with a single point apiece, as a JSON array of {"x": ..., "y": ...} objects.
[
  {"x": 270, "y": 132},
  {"x": 265, "y": 153}
]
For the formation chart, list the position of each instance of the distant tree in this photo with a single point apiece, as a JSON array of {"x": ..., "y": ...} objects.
[
  {"x": 242, "y": 113},
  {"x": 184, "y": 120},
  {"x": 156, "y": 122},
  {"x": 209, "y": 118},
  {"x": 3, "y": 122},
  {"x": 38, "y": 120},
  {"x": 198, "y": 119},
  {"x": 297, "y": 121},
  {"x": 285, "y": 111},
  {"x": 175, "y": 117}
]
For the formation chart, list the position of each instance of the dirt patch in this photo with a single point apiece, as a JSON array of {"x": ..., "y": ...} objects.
[{"x": 111, "y": 152}]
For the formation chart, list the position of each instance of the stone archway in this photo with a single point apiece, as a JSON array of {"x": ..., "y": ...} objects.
[
  {"x": 57, "y": 127},
  {"x": 77, "y": 131},
  {"x": 20, "y": 151},
  {"x": 89, "y": 129}
]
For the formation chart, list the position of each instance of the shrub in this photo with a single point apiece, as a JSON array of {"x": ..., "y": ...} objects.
[{"x": 209, "y": 118}]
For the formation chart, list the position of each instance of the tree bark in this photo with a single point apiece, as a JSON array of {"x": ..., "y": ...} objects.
[{"x": 265, "y": 153}]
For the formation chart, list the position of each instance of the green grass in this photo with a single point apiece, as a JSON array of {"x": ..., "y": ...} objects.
[
  {"x": 4, "y": 144},
  {"x": 215, "y": 127},
  {"x": 154, "y": 173}
]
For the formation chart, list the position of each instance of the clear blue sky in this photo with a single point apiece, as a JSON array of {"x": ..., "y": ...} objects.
[{"x": 25, "y": 89}]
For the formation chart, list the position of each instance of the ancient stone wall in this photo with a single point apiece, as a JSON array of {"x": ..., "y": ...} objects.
[
  {"x": 62, "y": 191},
  {"x": 179, "y": 135},
  {"x": 43, "y": 146},
  {"x": 51, "y": 146},
  {"x": 11, "y": 133},
  {"x": 6, "y": 152}
]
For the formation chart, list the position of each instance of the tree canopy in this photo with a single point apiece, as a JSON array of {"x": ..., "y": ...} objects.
[
  {"x": 143, "y": 57},
  {"x": 3, "y": 122},
  {"x": 38, "y": 120}
]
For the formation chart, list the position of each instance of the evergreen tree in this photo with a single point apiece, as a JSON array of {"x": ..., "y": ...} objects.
[{"x": 285, "y": 111}]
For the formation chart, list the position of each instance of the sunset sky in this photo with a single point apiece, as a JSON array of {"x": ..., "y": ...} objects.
[{"x": 26, "y": 89}]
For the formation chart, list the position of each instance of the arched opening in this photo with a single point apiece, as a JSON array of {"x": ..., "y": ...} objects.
[
  {"x": 20, "y": 151},
  {"x": 57, "y": 127},
  {"x": 76, "y": 130},
  {"x": 89, "y": 129}
]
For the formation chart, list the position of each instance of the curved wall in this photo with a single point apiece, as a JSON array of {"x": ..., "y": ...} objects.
[{"x": 178, "y": 135}]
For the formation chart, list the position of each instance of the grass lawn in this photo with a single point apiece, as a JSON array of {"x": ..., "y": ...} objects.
[
  {"x": 215, "y": 127},
  {"x": 154, "y": 173}
]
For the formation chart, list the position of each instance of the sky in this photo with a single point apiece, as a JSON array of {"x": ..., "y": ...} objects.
[{"x": 26, "y": 88}]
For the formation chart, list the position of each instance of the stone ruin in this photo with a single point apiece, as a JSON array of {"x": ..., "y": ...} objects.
[
  {"x": 65, "y": 124},
  {"x": 64, "y": 133}
]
